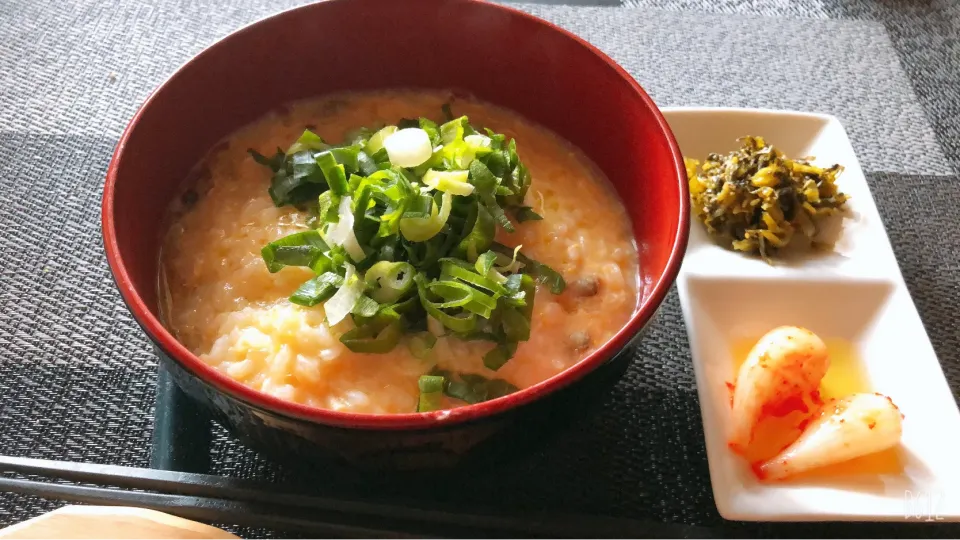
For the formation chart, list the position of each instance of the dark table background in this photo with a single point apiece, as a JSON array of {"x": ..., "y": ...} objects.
[{"x": 79, "y": 381}]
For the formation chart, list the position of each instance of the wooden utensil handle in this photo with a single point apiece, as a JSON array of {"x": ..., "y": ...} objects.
[{"x": 74, "y": 522}]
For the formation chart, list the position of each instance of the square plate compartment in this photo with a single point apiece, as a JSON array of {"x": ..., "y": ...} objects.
[{"x": 856, "y": 293}]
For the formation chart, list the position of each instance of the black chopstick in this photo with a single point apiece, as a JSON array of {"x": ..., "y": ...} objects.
[{"x": 228, "y": 500}]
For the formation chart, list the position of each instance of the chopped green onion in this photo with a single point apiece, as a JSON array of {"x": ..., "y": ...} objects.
[
  {"x": 528, "y": 288},
  {"x": 331, "y": 261},
  {"x": 431, "y": 393},
  {"x": 461, "y": 323},
  {"x": 348, "y": 156},
  {"x": 452, "y": 130},
  {"x": 358, "y": 137},
  {"x": 341, "y": 233},
  {"x": 465, "y": 392},
  {"x": 307, "y": 141},
  {"x": 408, "y": 147},
  {"x": 519, "y": 183},
  {"x": 516, "y": 325},
  {"x": 334, "y": 173},
  {"x": 460, "y": 295},
  {"x": 499, "y": 355},
  {"x": 342, "y": 303},
  {"x": 375, "y": 144},
  {"x": 454, "y": 182},
  {"x": 433, "y": 132},
  {"x": 514, "y": 281},
  {"x": 485, "y": 262},
  {"x": 378, "y": 334},
  {"x": 472, "y": 278},
  {"x": 419, "y": 207},
  {"x": 480, "y": 236},
  {"x": 305, "y": 168},
  {"x": 472, "y": 388},
  {"x": 297, "y": 249},
  {"x": 544, "y": 274},
  {"x": 365, "y": 307},
  {"x": 327, "y": 207},
  {"x": 422, "y": 229},
  {"x": 296, "y": 178},
  {"x": 486, "y": 184},
  {"x": 478, "y": 142},
  {"x": 413, "y": 206},
  {"x": 316, "y": 290},
  {"x": 390, "y": 281},
  {"x": 456, "y": 155},
  {"x": 366, "y": 164}
]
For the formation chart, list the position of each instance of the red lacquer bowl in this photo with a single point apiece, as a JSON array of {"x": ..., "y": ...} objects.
[{"x": 495, "y": 53}]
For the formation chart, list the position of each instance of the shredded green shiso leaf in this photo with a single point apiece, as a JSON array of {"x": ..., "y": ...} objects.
[{"x": 402, "y": 241}]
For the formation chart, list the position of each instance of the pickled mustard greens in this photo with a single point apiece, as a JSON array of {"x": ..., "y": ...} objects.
[
  {"x": 402, "y": 241},
  {"x": 756, "y": 200}
]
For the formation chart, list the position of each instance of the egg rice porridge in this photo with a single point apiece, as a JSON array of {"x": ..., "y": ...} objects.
[{"x": 400, "y": 290}]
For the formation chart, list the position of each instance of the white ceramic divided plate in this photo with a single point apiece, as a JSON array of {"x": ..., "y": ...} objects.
[{"x": 855, "y": 294}]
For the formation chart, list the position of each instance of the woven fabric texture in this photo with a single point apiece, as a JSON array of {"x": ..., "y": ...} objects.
[{"x": 77, "y": 378}]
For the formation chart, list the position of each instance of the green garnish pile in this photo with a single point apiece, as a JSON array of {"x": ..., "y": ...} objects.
[{"x": 409, "y": 251}]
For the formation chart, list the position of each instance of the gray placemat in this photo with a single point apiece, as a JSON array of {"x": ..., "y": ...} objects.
[
  {"x": 924, "y": 35},
  {"x": 77, "y": 377}
]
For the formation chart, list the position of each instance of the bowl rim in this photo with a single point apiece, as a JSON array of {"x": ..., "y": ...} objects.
[{"x": 177, "y": 352}]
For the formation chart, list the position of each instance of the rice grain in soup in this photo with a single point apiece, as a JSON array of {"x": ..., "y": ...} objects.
[{"x": 223, "y": 304}]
